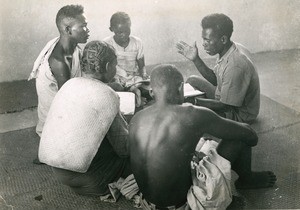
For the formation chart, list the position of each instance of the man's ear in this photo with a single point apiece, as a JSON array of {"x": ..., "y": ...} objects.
[
  {"x": 224, "y": 39},
  {"x": 180, "y": 88},
  {"x": 68, "y": 30}
]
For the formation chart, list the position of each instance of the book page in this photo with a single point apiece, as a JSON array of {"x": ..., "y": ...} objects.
[
  {"x": 127, "y": 102},
  {"x": 189, "y": 91}
]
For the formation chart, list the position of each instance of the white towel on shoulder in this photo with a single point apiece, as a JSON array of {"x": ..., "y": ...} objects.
[{"x": 51, "y": 44}]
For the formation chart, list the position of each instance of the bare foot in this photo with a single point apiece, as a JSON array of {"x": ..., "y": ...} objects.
[{"x": 256, "y": 180}]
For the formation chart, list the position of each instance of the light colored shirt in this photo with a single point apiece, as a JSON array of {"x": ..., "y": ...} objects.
[
  {"x": 238, "y": 85},
  {"x": 127, "y": 57}
]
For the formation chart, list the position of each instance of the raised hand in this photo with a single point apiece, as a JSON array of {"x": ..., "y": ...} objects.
[{"x": 190, "y": 52}]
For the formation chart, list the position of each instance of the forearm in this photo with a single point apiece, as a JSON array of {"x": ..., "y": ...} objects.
[
  {"x": 212, "y": 104},
  {"x": 206, "y": 72},
  {"x": 141, "y": 66},
  {"x": 230, "y": 130},
  {"x": 142, "y": 72}
]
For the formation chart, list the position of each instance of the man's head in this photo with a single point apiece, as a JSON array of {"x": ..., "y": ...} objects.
[
  {"x": 71, "y": 22},
  {"x": 99, "y": 61},
  {"x": 120, "y": 24},
  {"x": 216, "y": 33},
  {"x": 167, "y": 84}
]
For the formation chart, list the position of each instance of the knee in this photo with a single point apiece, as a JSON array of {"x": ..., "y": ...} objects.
[{"x": 194, "y": 80}]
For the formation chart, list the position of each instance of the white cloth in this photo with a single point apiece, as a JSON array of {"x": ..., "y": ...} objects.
[
  {"x": 127, "y": 187},
  {"x": 46, "y": 84},
  {"x": 211, "y": 187},
  {"x": 78, "y": 120}
]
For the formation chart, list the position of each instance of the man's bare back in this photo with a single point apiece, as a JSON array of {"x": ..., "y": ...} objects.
[
  {"x": 163, "y": 138},
  {"x": 165, "y": 129}
]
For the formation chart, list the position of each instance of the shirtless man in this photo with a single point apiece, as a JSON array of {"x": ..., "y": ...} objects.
[
  {"x": 161, "y": 149},
  {"x": 60, "y": 59}
]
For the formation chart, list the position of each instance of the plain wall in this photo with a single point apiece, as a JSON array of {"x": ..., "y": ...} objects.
[{"x": 260, "y": 25}]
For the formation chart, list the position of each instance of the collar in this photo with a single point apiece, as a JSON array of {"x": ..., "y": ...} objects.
[{"x": 227, "y": 54}]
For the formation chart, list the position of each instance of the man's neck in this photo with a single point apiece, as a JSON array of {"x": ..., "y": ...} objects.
[
  {"x": 225, "y": 49},
  {"x": 92, "y": 76},
  {"x": 122, "y": 44},
  {"x": 162, "y": 102},
  {"x": 67, "y": 45}
]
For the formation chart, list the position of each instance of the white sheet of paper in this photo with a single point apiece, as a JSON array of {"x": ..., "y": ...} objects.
[
  {"x": 127, "y": 102},
  {"x": 189, "y": 91}
]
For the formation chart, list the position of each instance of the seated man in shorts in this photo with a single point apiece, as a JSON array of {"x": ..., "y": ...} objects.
[
  {"x": 85, "y": 137},
  {"x": 162, "y": 149},
  {"x": 232, "y": 86}
]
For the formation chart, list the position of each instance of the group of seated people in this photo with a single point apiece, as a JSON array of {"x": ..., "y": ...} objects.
[{"x": 171, "y": 154}]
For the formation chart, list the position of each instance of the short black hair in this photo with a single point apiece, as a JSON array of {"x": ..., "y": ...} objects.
[
  {"x": 95, "y": 57},
  {"x": 119, "y": 17},
  {"x": 168, "y": 76},
  {"x": 219, "y": 23},
  {"x": 68, "y": 11}
]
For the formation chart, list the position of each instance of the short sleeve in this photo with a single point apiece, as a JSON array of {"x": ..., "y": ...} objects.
[
  {"x": 235, "y": 84},
  {"x": 109, "y": 40}
]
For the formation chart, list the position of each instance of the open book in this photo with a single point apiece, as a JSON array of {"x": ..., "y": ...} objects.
[
  {"x": 189, "y": 91},
  {"x": 127, "y": 99}
]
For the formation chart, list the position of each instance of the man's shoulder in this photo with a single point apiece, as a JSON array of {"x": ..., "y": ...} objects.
[
  {"x": 240, "y": 61},
  {"x": 57, "y": 62},
  {"x": 108, "y": 39},
  {"x": 135, "y": 39},
  {"x": 91, "y": 86}
]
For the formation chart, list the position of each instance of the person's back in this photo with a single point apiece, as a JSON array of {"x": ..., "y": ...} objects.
[
  {"x": 85, "y": 136},
  {"x": 247, "y": 95},
  {"x": 154, "y": 163},
  {"x": 163, "y": 138}
]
